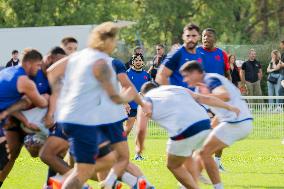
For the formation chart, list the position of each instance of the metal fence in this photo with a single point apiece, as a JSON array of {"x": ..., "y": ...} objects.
[{"x": 268, "y": 119}]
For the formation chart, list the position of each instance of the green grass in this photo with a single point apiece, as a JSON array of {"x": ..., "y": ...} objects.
[{"x": 252, "y": 163}]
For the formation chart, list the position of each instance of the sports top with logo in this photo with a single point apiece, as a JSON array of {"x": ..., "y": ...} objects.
[
  {"x": 215, "y": 61},
  {"x": 175, "y": 60}
]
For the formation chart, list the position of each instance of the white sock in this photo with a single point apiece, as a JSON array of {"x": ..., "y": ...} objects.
[
  {"x": 129, "y": 179},
  {"x": 217, "y": 160},
  {"x": 218, "y": 186},
  {"x": 110, "y": 179}
]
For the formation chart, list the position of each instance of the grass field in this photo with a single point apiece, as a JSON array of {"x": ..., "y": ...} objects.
[{"x": 252, "y": 163}]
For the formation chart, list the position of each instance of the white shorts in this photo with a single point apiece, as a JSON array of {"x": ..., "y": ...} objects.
[
  {"x": 229, "y": 133},
  {"x": 35, "y": 116},
  {"x": 185, "y": 147}
]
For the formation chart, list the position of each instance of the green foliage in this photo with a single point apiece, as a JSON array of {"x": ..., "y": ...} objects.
[{"x": 160, "y": 21}]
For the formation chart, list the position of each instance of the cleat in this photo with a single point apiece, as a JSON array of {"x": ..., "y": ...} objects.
[
  {"x": 117, "y": 185},
  {"x": 141, "y": 184},
  {"x": 86, "y": 186},
  {"x": 221, "y": 168},
  {"x": 47, "y": 187},
  {"x": 138, "y": 157}
]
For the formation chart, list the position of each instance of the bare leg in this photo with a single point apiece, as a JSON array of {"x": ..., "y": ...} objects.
[
  {"x": 212, "y": 144},
  {"x": 52, "y": 154},
  {"x": 14, "y": 146},
  {"x": 129, "y": 125},
  {"x": 176, "y": 165}
]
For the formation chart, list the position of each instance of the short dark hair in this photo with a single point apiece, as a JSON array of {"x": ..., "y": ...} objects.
[
  {"x": 161, "y": 45},
  {"x": 67, "y": 40},
  {"x": 149, "y": 85},
  {"x": 135, "y": 56},
  {"x": 57, "y": 50},
  {"x": 210, "y": 30},
  {"x": 15, "y": 51},
  {"x": 191, "y": 26},
  {"x": 31, "y": 55},
  {"x": 191, "y": 66},
  {"x": 282, "y": 41}
]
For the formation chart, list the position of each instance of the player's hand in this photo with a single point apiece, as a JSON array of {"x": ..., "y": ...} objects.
[
  {"x": 48, "y": 121},
  {"x": 46, "y": 96},
  {"x": 234, "y": 109},
  {"x": 203, "y": 89},
  {"x": 3, "y": 115},
  {"x": 147, "y": 109},
  {"x": 127, "y": 108},
  {"x": 32, "y": 126}
]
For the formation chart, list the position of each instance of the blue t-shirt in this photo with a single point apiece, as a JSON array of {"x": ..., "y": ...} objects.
[
  {"x": 175, "y": 60},
  {"x": 215, "y": 61},
  {"x": 9, "y": 93},
  {"x": 138, "y": 78},
  {"x": 118, "y": 66},
  {"x": 41, "y": 82}
]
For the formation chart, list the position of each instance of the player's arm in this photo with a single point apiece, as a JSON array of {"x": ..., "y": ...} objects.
[
  {"x": 126, "y": 83},
  {"x": 213, "y": 101},
  {"x": 20, "y": 116},
  {"x": 167, "y": 67},
  {"x": 28, "y": 87},
  {"x": 163, "y": 75},
  {"x": 55, "y": 74},
  {"x": 22, "y": 104},
  {"x": 102, "y": 73},
  {"x": 142, "y": 121}
]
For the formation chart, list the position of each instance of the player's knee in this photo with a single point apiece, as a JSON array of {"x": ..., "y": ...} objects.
[
  {"x": 172, "y": 166},
  {"x": 204, "y": 153}
]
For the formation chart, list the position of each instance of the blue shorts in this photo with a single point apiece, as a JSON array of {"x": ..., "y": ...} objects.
[
  {"x": 2, "y": 132},
  {"x": 114, "y": 132},
  {"x": 132, "y": 113},
  {"x": 57, "y": 131},
  {"x": 83, "y": 141}
]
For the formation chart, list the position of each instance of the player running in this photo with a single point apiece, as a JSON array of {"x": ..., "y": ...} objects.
[
  {"x": 171, "y": 107},
  {"x": 231, "y": 128}
]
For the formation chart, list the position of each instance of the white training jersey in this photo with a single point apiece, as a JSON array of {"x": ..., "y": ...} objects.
[
  {"x": 36, "y": 116},
  {"x": 82, "y": 99},
  {"x": 235, "y": 100},
  {"x": 174, "y": 108}
]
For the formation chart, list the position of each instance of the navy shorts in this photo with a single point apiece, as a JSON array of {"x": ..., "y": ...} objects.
[
  {"x": 132, "y": 113},
  {"x": 114, "y": 132},
  {"x": 57, "y": 131},
  {"x": 83, "y": 141}
]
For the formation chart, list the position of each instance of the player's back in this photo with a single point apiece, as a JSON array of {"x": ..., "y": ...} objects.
[
  {"x": 174, "y": 108},
  {"x": 82, "y": 99},
  {"x": 9, "y": 93},
  {"x": 235, "y": 100}
]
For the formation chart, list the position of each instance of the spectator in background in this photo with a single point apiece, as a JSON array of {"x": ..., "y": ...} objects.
[
  {"x": 138, "y": 76},
  {"x": 136, "y": 50},
  {"x": 215, "y": 60},
  {"x": 157, "y": 60},
  {"x": 274, "y": 79},
  {"x": 282, "y": 50},
  {"x": 235, "y": 75},
  {"x": 251, "y": 74},
  {"x": 69, "y": 45},
  {"x": 168, "y": 72},
  {"x": 14, "y": 60}
]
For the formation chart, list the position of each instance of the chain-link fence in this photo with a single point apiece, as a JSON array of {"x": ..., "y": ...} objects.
[{"x": 268, "y": 120}]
